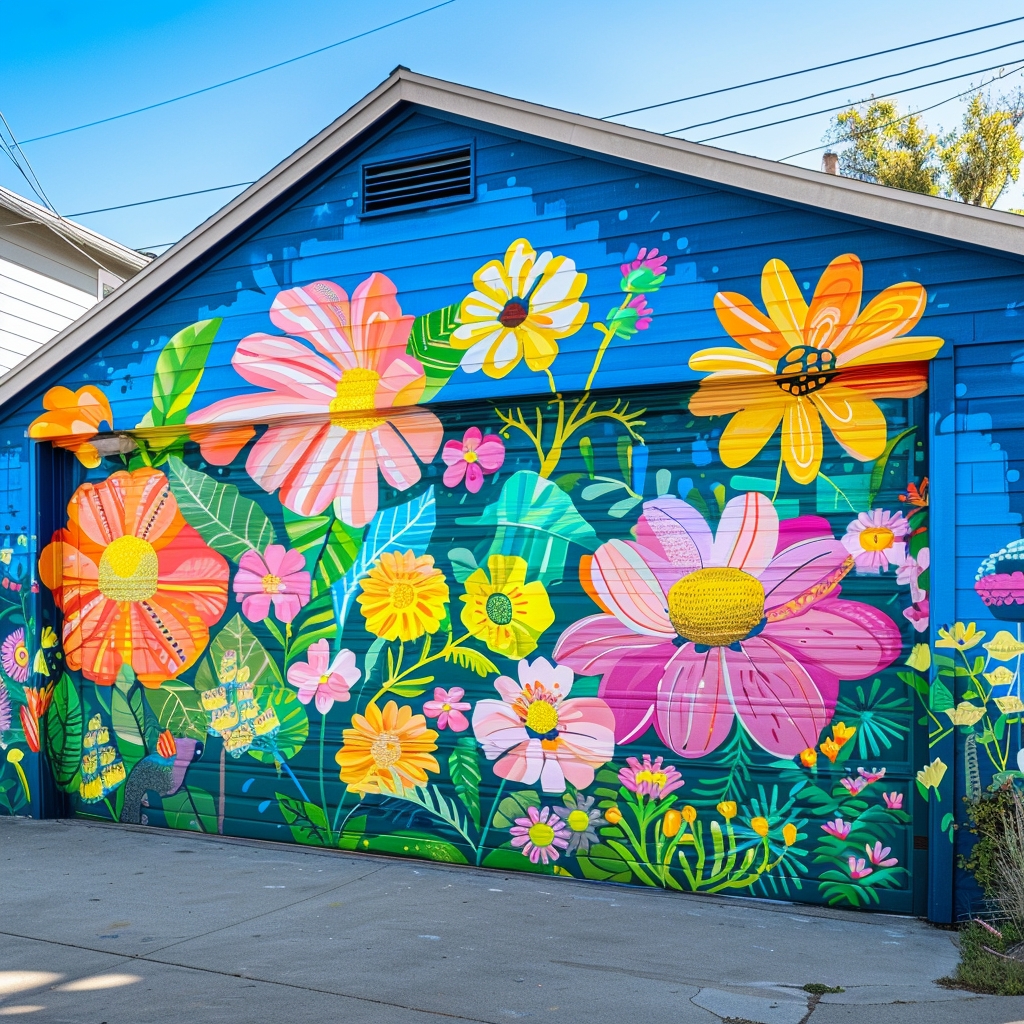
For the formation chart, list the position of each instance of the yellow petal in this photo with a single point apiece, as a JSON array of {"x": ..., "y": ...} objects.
[
  {"x": 1009, "y": 705},
  {"x": 920, "y": 658},
  {"x": 1001, "y": 676},
  {"x": 856, "y": 422},
  {"x": 783, "y": 301},
  {"x": 801, "y": 440},
  {"x": 749, "y": 327},
  {"x": 748, "y": 432},
  {"x": 836, "y": 301},
  {"x": 1004, "y": 646}
]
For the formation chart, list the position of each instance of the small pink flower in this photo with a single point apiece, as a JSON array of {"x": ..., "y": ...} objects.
[
  {"x": 853, "y": 785},
  {"x": 894, "y": 801},
  {"x": 648, "y": 260},
  {"x": 838, "y": 828},
  {"x": 276, "y": 576},
  {"x": 875, "y": 539},
  {"x": 474, "y": 457},
  {"x": 447, "y": 707},
  {"x": 858, "y": 870},
  {"x": 643, "y": 312},
  {"x": 909, "y": 571},
  {"x": 917, "y": 615},
  {"x": 321, "y": 680},
  {"x": 649, "y": 778},
  {"x": 871, "y": 776},
  {"x": 540, "y": 835},
  {"x": 878, "y": 854},
  {"x": 14, "y": 655}
]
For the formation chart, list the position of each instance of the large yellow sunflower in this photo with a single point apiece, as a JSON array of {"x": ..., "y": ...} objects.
[
  {"x": 387, "y": 751},
  {"x": 801, "y": 365},
  {"x": 521, "y": 307},
  {"x": 503, "y": 610},
  {"x": 403, "y": 596}
]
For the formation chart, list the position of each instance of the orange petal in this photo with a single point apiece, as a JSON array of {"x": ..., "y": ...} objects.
[
  {"x": 748, "y": 326},
  {"x": 836, "y": 302},
  {"x": 783, "y": 301},
  {"x": 896, "y": 380},
  {"x": 720, "y": 397},
  {"x": 892, "y": 312}
]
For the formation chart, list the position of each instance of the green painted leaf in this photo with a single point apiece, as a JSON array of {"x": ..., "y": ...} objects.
[
  {"x": 567, "y": 481},
  {"x": 940, "y": 698},
  {"x": 537, "y": 521},
  {"x": 475, "y": 661},
  {"x": 587, "y": 451},
  {"x": 429, "y": 343},
  {"x": 464, "y": 769},
  {"x": 220, "y": 515},
  {"x": 604, "y": 863},
  {"x": 177, "y": 707},
  {"x": 516, "y": 805},
  {"x": 373, "y": 657},
  {"x": 294, "y": 729},
  {"x": 594, "y": 491},
  {"x": 307, "y": 535},
  {"x": 411, "y": 687},
  {"x": 191, "y": 809},
  {"x": 352, "y": 832},
  {"x": 413, "y": 844},
  {"x": 623, "y": 507},
  {"x": 64, "y": 728},
  {"x": 128, "y": 718},
  {"x": 878, "y": 471},
  {"x": 179, "y": 368},
  {"x": 507, "y": 858},
  {"x": 340, "y": 552},
  {"x": 238, "y": 637},
  {"x": 307, "y": 821},
  {"x": 663, "y": 482},
  {"x": 463, "y": 563},
  {"x": 315, "y": 622}
]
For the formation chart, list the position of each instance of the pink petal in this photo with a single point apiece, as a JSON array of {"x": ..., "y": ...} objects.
[
  {"x": 693, "y": 711},
  {"x": 283, "y": 451},
  {"x": 318, "y": 313},
  {"x": 457, "y": 720},
  {"x": 747, "y": 534},
  {"x": 319, "y": 657},
  {"x": 287, "y": 366},
  {"x": 273, "y": 555},
  {"x": 319, "y": 475},
  {"x": 497, "y": 727},
  {"x": 798, "y": 568},
  {"x": 256, "y": 607},
  {"x": 453, "y": 474},
  {"x": 396, "y": 463},
  {"x": 293, "y": 563},
  {"x": 471, "y": 439},
  {"x": 452, "y": 454},
  {"x": 246, "y": 582},
  {"x": 323, "y": 700},
  {"x": 793, "y": 531},
  {"x": 586, "y": 726},
  {"x": 552, "y": 778},
  {"x": 523, "y": 764},
  {"x": 251, "y": 562},
  {"x": 421, "y": 430},
  {"x": 455, "y": 694},
  {"x": 627, "y": 586},
  {"x": 490, "y": 453},
  {"x": 474, "y": 477},
  {"x": 679, "y": 531},
  {"x": 286, "y": 606}
]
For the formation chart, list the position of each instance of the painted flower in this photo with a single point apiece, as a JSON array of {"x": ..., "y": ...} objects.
[
  {"x": 522, "y": 307},
  {"x": 790, "y": 833},
  {"x": 801, "y": 365},
  {"x": 321, "y": 680},
  {"x": 645, "y": 273},
  {"x": 477, "y": 455},
  {"x": 893, "y": 800},
  {"x": 858, "y": 868},
  {"x": 909, "y": 571},
  {"x": 1009, "y": 705},
  {"x": 999, "y": 582},
  {"x": 878, "y": 854},
  {"x": 917, "y": 615},
  {"x": 960, "y": 637},
  {"x": 6, "y": 715},
  {"x": 338, "y": 413},
  {"x": 727, "y": 809},
  {"x": 917, "y": 496},
  {"x": 1004, "y": 646},
  {"x": 930, "y": 776},
  {"x": 503, "y": 610},
  {"x": 581, "y": 821},
  {"x": 536, "y": 732},
  {"x": 447, "y": 707},
  {"x": 920, "y": 658},
  {"x": 136, "y": 584},
  {"x": 277, "y": 577},
  {"x": 540, "y": 835},
  {"x": 649, "y": 778},
  {"x": 761, "y": 826},
  {"x": 854, "y": 785},
  {"x": 699, "y": 629},
  {"x": 838, "y": 828},
  {"x": 72, "y": 419},
  {"x": 387, "y": 751},
  {"x": 403, "y": 596},
  {"x": 33, "y": 711},
  {"x": 14, "y": 655},
  {"x": 965, "y": 713},
  {"x": 809, "y": 757},
  {"x": 871, "y": 775},
  {"x": 1000, "y": 676},
  {"x": 875, "y": 539},
  {"x": 634, "y": 315}
]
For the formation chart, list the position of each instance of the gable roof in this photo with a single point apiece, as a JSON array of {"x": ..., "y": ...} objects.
[{"x": 954, "y": 222}]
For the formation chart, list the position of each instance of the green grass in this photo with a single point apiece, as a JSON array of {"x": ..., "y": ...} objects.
[
  {"x": 979, "y": 970},
  {"x": 817, "y": 989}
]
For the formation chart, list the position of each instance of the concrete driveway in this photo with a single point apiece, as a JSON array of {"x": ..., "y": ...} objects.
[{"x": 134, "y": 925}]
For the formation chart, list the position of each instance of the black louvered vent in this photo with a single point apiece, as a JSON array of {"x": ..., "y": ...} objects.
[{"x": 418, "y": 181}]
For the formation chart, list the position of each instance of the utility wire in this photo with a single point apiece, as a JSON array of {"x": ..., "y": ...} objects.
[
  {"x": 805, "y": 71},
  {"x": 161, "y": 199},
  {"x": 34, "y": 185},
  {"x": 239, "y": 78}
]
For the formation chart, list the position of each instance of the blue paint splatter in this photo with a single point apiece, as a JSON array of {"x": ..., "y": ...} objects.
[
  {"x": 247, "y": 784},
  {"x": 263, "y": 805},
  {"x": 700, "y": 454}
]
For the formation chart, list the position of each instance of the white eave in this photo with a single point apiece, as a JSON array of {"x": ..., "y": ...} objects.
[{"x": 952, "y": 222}]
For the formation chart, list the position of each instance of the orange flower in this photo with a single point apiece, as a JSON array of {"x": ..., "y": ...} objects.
[
  {"x": 808, "y": 758},
  {"x": 71, "y": 419},
  {"x": 136, "y": 584},
  {"x": 830, "y": 749},
  {"x": 33, "y": 713},
  {"x": 841, "y": 732}
]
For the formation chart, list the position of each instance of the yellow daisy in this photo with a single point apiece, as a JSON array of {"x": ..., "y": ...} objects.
[
  {"x": 503, "y": 610},
  {"x": 803, "y": 365},
  {"x": 387, "y": 751},
  {"x": 403, "y": 596},
  {"x": 522, "y": 306}
]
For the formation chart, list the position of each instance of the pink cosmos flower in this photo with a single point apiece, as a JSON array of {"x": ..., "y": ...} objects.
[
  {"x": 447, "y": 707},
  {"x": 540, "y": 835},
  {"x": 838, "y": 828},
  {"x": 853, "y": 785},
  {"x": 909, "y": 571},
  {"x": 648, "y": 260},
  {"x": 644, "y": 313},
  {"x": 474, "y": 457},
  {"x": 277, "y": 576},
  {"x": 14, "y": 655},
  {"x": 858, "y": 870},
  {"x": 871, "y": 776},
  {"x": 336, "y": 415},
  {"x": 539, "y": 734},
  {"x": 875, "y": 539},
  {"x": 649, "y": 778},
  {"x": 700, "y": 629},
  {"x": 321, "y": 680},
  {"x": 894, "y": 801},
  {"x": 878, "y": 854},
  {"x": 917, "y": 615}
]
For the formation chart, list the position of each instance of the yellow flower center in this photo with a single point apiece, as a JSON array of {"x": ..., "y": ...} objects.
[
  {"x": 21, "y": 655},
  {"x": 514, "y": 313},
  {"x": 541, "y": 717},
  {"x": 499, "y": 609},
  {"x": 271, "y": 584},
  {"x": 129, "y": 570},
  {"x": 323, "y": 680},
  {"x": 470, "y": 456},
  {"x": 402, "y": 595},
  {"x": 541, "y": 834},
  {"x": 446, "y": 707},
  {"x": 355, "y": 394},
  {"x": 804, "y": 369},
  {"x": 386, "y": 750},
  {"x": 655, "y": 778},
  {"x": 716, "y": 607},
  {"x": 578, "y": 821},
  {"x": 877, "y": 538}
]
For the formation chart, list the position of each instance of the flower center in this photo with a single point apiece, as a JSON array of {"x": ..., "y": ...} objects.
[
  {"x": 470, "y": 456},
  {"x": 541, "y": 717},
  {"x": 385, "y": 750},
  {"x": 514, "y": 313},
  {"x": 323, "y": 680},
  {"x": 355, "y": 395},
  {"x": 21, "y": 655},
  {"x": 541, "y": 834},
  {"x": 658, "y": 779},
  {"x": 499, "y": 609},
  {"x": 578, "y": 821},
  {"x": 804, "y": 369},
  {"x": 402, "y": 595},
  {"x": 271, "y": 584},
  {"x": 128, "y": 570},
  {"x": 878, "y": 538},
  {"x": 446, "y": 707},
  {"x": 716, "y": 607}
]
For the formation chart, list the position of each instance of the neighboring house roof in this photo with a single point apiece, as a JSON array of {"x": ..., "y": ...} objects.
[{"x": 892, "y": 208}]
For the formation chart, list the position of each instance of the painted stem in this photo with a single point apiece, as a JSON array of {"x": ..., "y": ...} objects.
[{"x": 487, "y": 824}]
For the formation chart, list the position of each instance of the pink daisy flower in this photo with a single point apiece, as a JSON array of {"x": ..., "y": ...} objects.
[
  {"x": 875, "y": 539},
  {"x": 838, "y": 828},
  {"x": 277, "y": 577},
  {"x": 321, "y": 680},
  {"x": 447, "y": 707},
  {"x": 474, "y": 457},
  {"x": 14, "y": 655},
  {"x": 858, "y": 868},
  {"x": 871, "y": 776},
  {"x": 878, "y": 854},
  {"x": 649, "y": 778},
  {"x": 853, "y": 785},
  {"x": 540, "y": 835}
]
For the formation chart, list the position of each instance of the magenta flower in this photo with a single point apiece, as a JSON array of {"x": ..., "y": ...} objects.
[
  {"x": 277, "y": 576},
  {"x": 894, "y": 801},
  {"x": 14, "y": 655},
  {"x": 917, "y": 615},
  {"x": 871, "y": 776},
  {"x": 644, "y": 274},
  {"x": 875, "y": 539},
  {"x": 5, "y": 710},
  {"x": 540, "y": 835},
  {"x": 474, "y": 457},
  {"x": 447, "y": 707},
  {"x": 909, "y": 571},
  {"x": 650, "y": 778},
  {"x": 699, "y": 629},
  {"x": 858, "y": 870},
  {"x": 853, "y": 785},
  {"x": 321, "y": 680},
  {"x": 878, "y": 854},
  {"x": 643, "y": 312},
  {"x": 838, "y": 828}
]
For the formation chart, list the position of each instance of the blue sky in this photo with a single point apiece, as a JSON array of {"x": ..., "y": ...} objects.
[{"x": 68, "y": 63}]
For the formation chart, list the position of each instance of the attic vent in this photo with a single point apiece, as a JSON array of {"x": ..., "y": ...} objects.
[{"x": 418, "y": 181}]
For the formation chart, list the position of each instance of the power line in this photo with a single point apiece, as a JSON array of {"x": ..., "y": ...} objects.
[
  {"x": 805, "y": 71},
  {"x": 239, "y": 78},
  {"x": 161, "y": 199}
]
